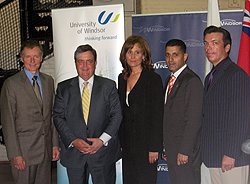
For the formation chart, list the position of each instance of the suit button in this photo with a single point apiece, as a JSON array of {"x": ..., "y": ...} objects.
[{"x": 203, "y": 115}]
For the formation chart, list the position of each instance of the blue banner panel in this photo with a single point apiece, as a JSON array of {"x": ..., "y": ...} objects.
[
  {"x": 162, "y": 168},
  {"x": 189, "y": 27}
]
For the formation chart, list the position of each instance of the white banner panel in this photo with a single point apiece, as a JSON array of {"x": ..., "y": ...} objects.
[{"x": 100, "y": 26}]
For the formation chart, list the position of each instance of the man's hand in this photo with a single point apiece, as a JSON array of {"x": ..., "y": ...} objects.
[
  {"x": 153, "y": 157},
  {"x": 19, "y": 163},
  {"x": 96, "y": 145},
  {"x": 182, "y": 159},
  {"x": 81, "y": 145},
  {"x": 56, "y": 154},
  {"x": 227, "y": 163}
]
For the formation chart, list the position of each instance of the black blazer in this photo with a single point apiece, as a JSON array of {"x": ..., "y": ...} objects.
[
  {"x": 104, "y": 116},
  {"x": 226, "y": 116},
  {"x": 141, "y": 128},
  {"x": 182, "y": 117}
]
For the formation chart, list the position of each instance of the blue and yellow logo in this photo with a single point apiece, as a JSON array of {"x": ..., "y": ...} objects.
[{"x": 108, "y": 18}]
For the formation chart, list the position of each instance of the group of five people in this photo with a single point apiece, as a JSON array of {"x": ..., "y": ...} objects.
[{"x": 99, "y": 124}]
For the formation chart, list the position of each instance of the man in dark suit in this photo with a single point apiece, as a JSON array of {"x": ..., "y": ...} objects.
[
  {"x": 182, "y": 116},
  {"x": 89, "y": 142},
  {"x": 30, "y": 136},
  {"x": 226, "y": 108}
]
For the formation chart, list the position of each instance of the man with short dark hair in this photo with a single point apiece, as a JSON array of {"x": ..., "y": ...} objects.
[
  {"x": 87, "y": 115},
  {"x": 26, "y": 115},
  {"x": 182, "y": 116},
  {"x": 226, "y": 110}
]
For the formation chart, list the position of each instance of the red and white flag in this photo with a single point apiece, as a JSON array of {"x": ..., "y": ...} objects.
[{"x": 244, "y": 51}]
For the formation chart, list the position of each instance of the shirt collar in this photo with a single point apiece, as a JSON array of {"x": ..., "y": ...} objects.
[
  {"x": 91, "y": 80},
  {"x": 220, "y": 64},
  {"x": 30, "y": 75},
  {"x": 178, "y": 72}
]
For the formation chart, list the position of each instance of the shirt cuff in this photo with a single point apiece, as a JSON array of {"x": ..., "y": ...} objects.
[
  {"x": 71, "y": 145},
  {"x": 105, "y": 138}
]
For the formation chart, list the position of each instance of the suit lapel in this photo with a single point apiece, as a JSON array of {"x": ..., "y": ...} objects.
[
  {"x": 166, "y": 83},
  {"x": 29, "y": 90},
  {"x": 45, "y": 90},
  {"x": 94, "y": 97},
  {"x": 217, "y": 77},
  {"x": 123, "y": 91},
  {"x": 75, "y": 97},
  {"x": 206, "y": 82},
  {"x": 177, "y": 83}
]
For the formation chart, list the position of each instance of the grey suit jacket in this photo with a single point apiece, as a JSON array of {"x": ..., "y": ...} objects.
[
  {"x": 226, "y": 116},
  {"x": 28, "y": 131},
  {"x": 182, "y": 118},
  {"x": 104, "y": 116}
]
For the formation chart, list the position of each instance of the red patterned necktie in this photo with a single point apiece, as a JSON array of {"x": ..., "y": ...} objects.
[{"x": 171, "y": 83}]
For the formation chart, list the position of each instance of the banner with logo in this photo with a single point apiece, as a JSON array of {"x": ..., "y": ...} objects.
[
  {"x": 157, "y": 29},
  {"x": 100, "y": 26}
]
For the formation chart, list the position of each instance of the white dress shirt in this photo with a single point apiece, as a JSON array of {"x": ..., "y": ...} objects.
[{"x": 176, "y": 74}]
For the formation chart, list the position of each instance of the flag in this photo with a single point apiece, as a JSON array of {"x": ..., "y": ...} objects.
[
  {"x": 244, "y": 51},
  {"x": 213, "y": 15},
  {"x": 213, "y": 18}
]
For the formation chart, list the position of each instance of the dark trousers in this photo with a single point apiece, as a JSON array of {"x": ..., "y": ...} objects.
[
  {"x": 99, "y": 175},
  {"x": 184, "y": 174},
  {"x": 138, "y": 170}
]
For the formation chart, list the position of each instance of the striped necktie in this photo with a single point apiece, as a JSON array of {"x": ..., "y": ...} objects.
[
  {"x": 85, "y": 102},
  {"x": 171, "y": 83}
]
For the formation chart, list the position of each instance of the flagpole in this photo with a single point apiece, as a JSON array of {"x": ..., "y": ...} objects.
[{"x": 213, "y": 18}]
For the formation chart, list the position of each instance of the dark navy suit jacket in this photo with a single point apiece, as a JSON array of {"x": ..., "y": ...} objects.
[
  {"x": 226, "y": 115},
  {"x": 104, "y": 116}
]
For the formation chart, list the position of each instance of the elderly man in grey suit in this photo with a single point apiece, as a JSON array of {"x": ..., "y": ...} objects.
[
  {"x": 182, "y": 116},
  {"x": 87, "y": 115},
  {"x": 226, "y": 110},
  {"x": 26, "y": 115}
]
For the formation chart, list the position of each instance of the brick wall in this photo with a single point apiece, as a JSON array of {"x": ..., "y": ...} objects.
[{"x": 164, "y": 6}]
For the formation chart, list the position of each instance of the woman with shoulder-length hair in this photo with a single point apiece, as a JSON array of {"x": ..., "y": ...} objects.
[{"x": 142, "y": 100}]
